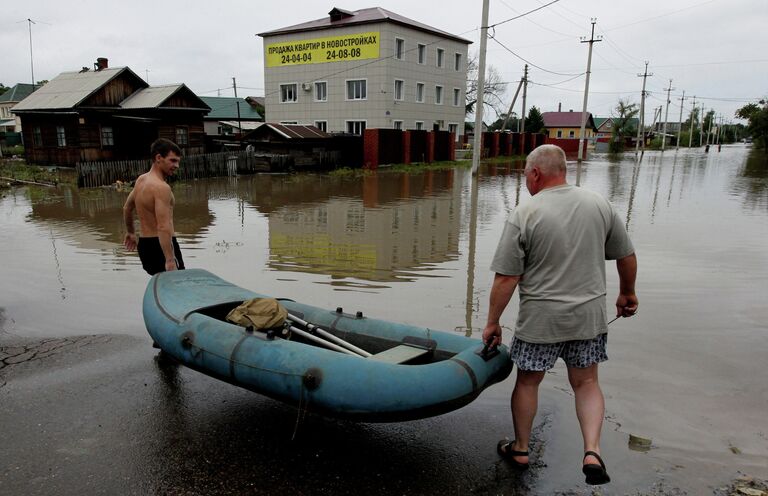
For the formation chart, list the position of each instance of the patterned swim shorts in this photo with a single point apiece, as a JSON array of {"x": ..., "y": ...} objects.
[{"x": 542, "y": 356}]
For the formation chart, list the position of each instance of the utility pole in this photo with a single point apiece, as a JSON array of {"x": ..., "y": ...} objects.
[
  {"x": 690, "y": 127},
  {"x": 591, "y": 42},
  {"x": 525, "y": 94},
  {"x": 30, "y": 22},
  {"x": 641, "y": 127},
  {"x": 680, "y": 121},
  {"x": 511, "y": 105},
  {"x": 237, "y": 102},
  {"x": 666, "y": 118},
  {"x": 709, "y": 129},
  {"x": 478, "y": 141},
  {"x": 701, "y": 126},
  {"x": 146, "y": 71}
]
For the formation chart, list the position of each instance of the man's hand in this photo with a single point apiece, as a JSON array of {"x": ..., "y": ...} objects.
[
  {"x": 170, "y": 265},
  {"x": 626, "y": 305},
  {"x": 492, "y": 335},
  {"x": 130, "y": 242}
]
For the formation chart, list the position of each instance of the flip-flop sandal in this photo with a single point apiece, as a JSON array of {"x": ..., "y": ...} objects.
[
  {"x": 504, "y": 449},
  {"x": 596, "y": 474}
]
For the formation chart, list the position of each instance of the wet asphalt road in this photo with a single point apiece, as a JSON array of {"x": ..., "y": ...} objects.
[{"x": 106, "y": 415}]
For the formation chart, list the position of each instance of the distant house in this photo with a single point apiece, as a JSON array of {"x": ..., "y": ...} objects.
[
  {"x": 10, "y": 123},
  {"x": 567, "y": 125},
  {"x": 107, "y": 114},
  {"x": 605, "y": 127},
  {"x": 229, "y": 115}
]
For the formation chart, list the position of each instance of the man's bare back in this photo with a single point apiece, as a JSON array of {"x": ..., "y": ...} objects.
[{"x": 149, "y": 192}]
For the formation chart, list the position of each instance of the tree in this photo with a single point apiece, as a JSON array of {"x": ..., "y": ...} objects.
[
  {"x": 534, "y": 123},
  {"x": 3, "y": 88},
  {"x": 512, "y": 124},
  {"x": 622, "y": 124},
  {"x": 494, "y": 88},
  {"x": 757, "y": 116}
]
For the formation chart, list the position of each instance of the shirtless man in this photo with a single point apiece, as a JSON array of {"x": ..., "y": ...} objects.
[{"x": 153, "y": 200}]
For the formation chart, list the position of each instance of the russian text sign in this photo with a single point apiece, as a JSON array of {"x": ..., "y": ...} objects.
[{"x": 343, "y": 48}]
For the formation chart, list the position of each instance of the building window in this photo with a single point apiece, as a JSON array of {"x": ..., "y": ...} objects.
[
  {"x": 397, "y": 125},
  {"x": 321, "y": 91},
  {"x": 422, "y": 51},
  {"x": 107, "y": 136},
  {"x": 420, "y": 92},
  {"x": 419, "y": 125},
  {"x": 182, "y": 136},
  {"x": 438, "y": 125},
  {"x": 399, "y": 83},
  {"x": 356, "y": 89},
  {"x": 457, "y": 62},
  {"x": 440, "y": 57},
  {"x": 289, "y": 93},
  {"x": 399, "y": 48},
  {"x": 456, "y": 97},
  {"x": 438, "y": 95},
  {"x": 454, "y": 128},
  {"x": 559, "y": 133},
  {"x": 571, "y": 134},
  {"x": 355, "y": 127},
  {"x": 61, "y": 136},
  {"x": 322, "y": 125},
  {"x": 289, "y": 123},
  {"x": 37, "y": 136}
]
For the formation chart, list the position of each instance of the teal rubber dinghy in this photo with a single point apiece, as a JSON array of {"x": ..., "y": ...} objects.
[{"x": 325, "y": 361}]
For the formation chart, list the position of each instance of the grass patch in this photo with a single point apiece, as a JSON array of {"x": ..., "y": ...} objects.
[{"x": 20, "y": 170}]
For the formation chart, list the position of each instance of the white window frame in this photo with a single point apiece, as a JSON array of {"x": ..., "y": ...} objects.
[
  {"x": 571, "y": 133},
  {"x": 419, "y": 125},
  {"x": 315, "y": 86},
  {"x": 457, "y": 61},
  {"x": 395, "y": 123},
  {"x": 110, "y": 136},
  {"x": 295, "y": 92},
  {"x": 346, "y": 89},
  {"x": 423, "y": 90},
  {"x": 559, "y": 133},
  {"x": 456, "y": 131},
  {"x": 324, "y": 127},
  {"x": 457, "y": 97},
  {"x": 401, "y": 97},
  {"x": 347, "y": 122},
  {"x": 438, "y": 94},
  {"x": 421, "y": 53},
  {"x": 61, "y": 136},
  {"x": 399, "y": 49},
  {"x": 184, "y": 133},
  {"x": 440, "y": 57}
]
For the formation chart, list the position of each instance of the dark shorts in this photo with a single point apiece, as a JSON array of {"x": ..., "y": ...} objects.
[
  {"x": 542, "y": 356},
  {"x": 152, "y": 257}
]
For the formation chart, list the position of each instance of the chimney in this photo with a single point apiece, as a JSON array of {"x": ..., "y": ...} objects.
[
  {"x": 559, "y": 106},
  {"x": 101, "y": 63}
]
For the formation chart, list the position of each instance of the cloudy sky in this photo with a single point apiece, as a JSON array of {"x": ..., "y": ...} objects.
[{"x": 713, "y": 49}]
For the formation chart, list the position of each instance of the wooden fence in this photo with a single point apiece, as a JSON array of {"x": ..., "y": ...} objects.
[{"x": 93, "y": 174}]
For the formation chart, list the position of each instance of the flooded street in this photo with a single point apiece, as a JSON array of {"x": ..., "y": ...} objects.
[{"x": 86, "y": 406}]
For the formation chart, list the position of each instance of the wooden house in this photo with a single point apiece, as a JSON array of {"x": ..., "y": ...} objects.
[
  {"x": 567, "y": 125},
  {"x": 107, "y": 114}
]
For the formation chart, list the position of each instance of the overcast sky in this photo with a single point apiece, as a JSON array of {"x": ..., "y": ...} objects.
[{"x": 714, "y": 49}]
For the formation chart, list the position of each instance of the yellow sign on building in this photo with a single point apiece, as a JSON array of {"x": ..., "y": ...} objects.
[{"x": 344, "y": 48}]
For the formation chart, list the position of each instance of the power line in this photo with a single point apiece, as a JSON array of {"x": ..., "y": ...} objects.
[
  {"x": 529, "y": 62},
  {"x": 536, "y": 23},
  {"x": 524, "y": 14}
]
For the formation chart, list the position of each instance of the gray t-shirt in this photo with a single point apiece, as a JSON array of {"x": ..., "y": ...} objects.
[{"x": 558, "y": 243}]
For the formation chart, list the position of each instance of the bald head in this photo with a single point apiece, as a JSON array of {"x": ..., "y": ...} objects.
[{"x": 549, "y": 159}]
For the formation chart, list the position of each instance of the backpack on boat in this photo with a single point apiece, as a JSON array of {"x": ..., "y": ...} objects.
[{"x": 259, "y": 313}]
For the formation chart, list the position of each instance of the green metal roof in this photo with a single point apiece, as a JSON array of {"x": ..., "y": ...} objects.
[
  {"x": 225, "y": 107},
  {"x": 17, "y": 93}
]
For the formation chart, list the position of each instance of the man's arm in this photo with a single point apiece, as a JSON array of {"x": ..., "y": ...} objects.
[
  {"x": 626, "y": 303},
  {"x": 130, "y": 235},
  {"x": 501, "y": 292},
  {"x": 164, "y": 219}
]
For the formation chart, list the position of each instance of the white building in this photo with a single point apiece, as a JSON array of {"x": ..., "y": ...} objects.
[{"x": 369, "y": 68}]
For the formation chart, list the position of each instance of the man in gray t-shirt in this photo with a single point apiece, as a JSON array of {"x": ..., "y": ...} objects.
[{"x": 554, "y": 249}]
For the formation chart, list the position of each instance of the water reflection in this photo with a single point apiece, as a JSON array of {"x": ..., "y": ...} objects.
[{"x": 752, "y": 180}]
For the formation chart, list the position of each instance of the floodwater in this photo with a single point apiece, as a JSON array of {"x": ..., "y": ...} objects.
[{"x": 688, "y": 371}]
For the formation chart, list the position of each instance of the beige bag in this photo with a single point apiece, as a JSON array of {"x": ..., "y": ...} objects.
[{"x": 261, "y": 313}]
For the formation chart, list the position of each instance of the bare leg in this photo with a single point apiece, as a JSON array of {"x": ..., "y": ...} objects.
[
  {"x": 525, "y": 401},
  {"x": 590, "y": 406}
]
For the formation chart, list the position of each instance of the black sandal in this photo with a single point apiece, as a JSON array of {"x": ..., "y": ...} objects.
[
  {"x": 504, "y": 449},
  {"x": 596, "y": 474}
]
